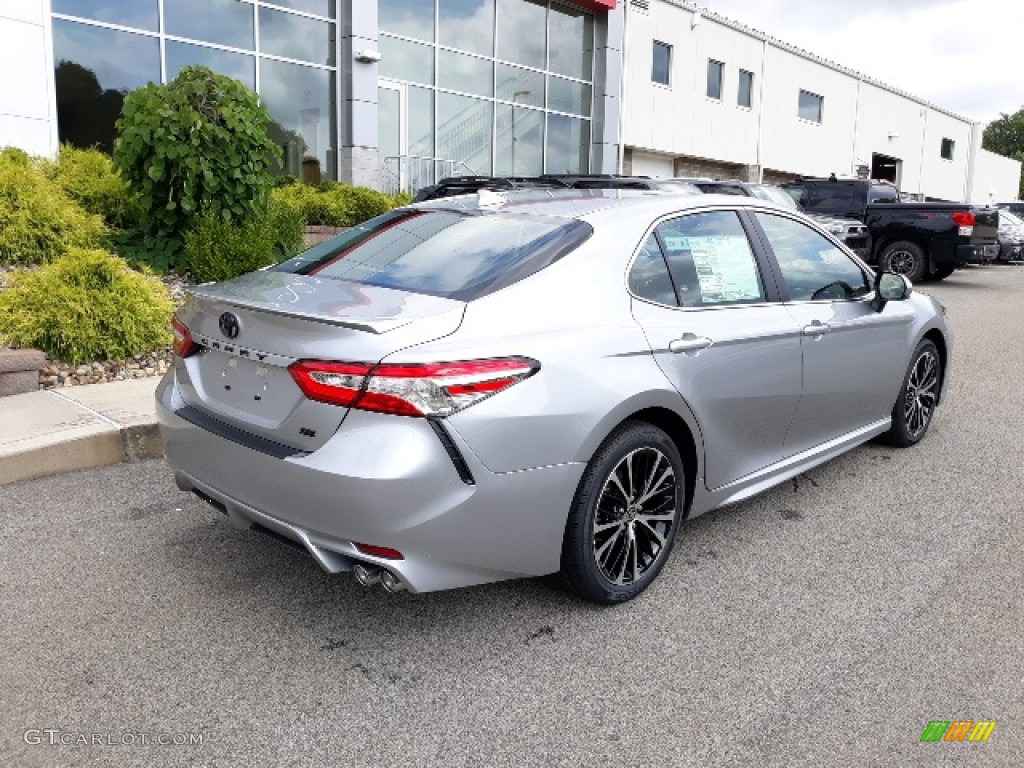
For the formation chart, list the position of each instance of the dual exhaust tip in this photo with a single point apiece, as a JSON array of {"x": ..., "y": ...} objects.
[{"x": 368, "y": 576}]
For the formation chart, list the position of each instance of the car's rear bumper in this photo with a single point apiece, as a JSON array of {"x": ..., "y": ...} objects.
[
  {"x": 386, "y": 481},
  {"x": 974, "y": 254},
  {"x": 1011, "y": 251}
]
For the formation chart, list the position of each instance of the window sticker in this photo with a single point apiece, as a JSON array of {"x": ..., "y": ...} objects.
[{"x": 724, "y": 265}]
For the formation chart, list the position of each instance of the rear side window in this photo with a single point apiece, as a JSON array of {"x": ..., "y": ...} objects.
[
  {"x": 442, "y": 253},
  {"x": 649, "y": 278},
  {"x": 812, "y": 267},
  {"x": 710, "y": 260},
  {"x": 884, "y": 195}
]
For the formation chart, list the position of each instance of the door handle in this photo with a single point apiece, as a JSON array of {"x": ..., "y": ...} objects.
[
  {"x": 689, "y": 343},
  {"x": 816, "y": 328}
]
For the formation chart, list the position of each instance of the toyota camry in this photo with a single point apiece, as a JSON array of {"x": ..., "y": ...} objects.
[{"x": 539, "y": 382}]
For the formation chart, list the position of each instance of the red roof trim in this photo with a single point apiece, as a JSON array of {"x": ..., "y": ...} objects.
[{"x": 597, "y": 6}]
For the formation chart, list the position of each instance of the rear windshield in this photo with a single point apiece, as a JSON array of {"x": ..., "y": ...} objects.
[{"x": 442, "y": 253}]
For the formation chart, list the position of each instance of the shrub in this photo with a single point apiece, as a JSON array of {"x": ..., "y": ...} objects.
[
  {"x": 38, "y": 222},
  {"x": 401, "y": 198},
  {"x": 216, "y": 250},
  {"x": 196, "y": 145},
  {"x": 333, "y": 204},
  {"x": 362, "y": 204},
  {"x": 87, "y": 305},
  {"x": 286, "y": 180},
  {"x": 88, "y": 176}
]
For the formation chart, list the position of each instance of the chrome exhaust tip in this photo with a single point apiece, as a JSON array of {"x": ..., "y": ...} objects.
[
  {"x": 391, "y": 582},
  {"x": 365, "y": 575}
]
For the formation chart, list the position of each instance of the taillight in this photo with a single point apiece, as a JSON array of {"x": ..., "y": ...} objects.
[
  {"x": 431, "y": 389},
  {"x": 964, "y": 218},
  {"x": 183, "y": 343}
]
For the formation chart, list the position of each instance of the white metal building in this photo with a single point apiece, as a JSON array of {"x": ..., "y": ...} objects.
[
  {"x": 706, "y": 96},
  {"x": 365, "y": 90},
  {"x": 28, "y": 103}
]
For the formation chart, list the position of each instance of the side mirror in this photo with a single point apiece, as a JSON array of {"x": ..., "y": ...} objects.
[{"x": 890, "y": 286}]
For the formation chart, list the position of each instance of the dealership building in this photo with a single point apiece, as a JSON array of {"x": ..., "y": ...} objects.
[{"x": 394, "y": 93}]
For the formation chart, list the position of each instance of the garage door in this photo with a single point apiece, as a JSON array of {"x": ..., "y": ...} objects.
[{"x": 658, "y": 166}]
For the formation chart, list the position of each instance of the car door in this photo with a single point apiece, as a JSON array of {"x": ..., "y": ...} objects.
[
  {"x": 732, "y": 352},
  {"x": 854, "y": 358}
]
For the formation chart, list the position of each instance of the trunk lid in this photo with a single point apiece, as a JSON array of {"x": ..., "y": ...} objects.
[{"x": 252, "y": 328}]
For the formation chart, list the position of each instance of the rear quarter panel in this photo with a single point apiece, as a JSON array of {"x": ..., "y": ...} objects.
[{"x": 596, "y": 365}]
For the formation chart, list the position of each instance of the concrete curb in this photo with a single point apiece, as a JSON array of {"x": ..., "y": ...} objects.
[{"x": 55, "y": 431}]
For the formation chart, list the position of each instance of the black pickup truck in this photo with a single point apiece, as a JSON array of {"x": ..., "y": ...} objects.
[{"x": 919, "y": 240}]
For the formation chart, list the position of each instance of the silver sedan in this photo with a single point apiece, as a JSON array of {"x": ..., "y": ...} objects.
[{"x": 545, "y": 382}]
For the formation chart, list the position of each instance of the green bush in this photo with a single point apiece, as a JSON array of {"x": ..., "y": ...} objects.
[
  {"x": 88, "y": 176},
  {"x": 38, "y": 222},
  {"x": 333, "y": 204},
  {"x": 216, "y": 250},
  {"x": 197, "y": 145},
  {"x": 87, "y": 305},
  {"x": 362, "y": 204},
  {"x": 286, "y": 180},
  {"x": 401, "y": 198}
]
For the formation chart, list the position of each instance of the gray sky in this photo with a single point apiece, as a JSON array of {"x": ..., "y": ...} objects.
[{"x": 964, "y": 55}]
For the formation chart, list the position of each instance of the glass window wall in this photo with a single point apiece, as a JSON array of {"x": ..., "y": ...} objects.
[
  {"x": 97, "y": 65},
  {"x": 95, "y": 69},
  {"x": 224, "y": 22},
  {"x": 140, "y": 14},
  {"x": 531, "y": 61}
]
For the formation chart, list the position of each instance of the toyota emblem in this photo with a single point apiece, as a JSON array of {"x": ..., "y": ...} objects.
[{"x": 229, "y": 325}]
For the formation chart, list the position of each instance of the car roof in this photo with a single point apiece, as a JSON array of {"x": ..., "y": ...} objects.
[{"x": 589, "y": 203}]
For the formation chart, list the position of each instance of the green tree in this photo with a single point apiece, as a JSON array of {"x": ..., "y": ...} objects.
[
  {"x": 1005, "y": 136},
  {"x": 197, "y": 145}
]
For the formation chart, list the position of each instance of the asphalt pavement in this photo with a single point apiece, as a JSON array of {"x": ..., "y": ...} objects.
[{"x": 824, "y": 623}]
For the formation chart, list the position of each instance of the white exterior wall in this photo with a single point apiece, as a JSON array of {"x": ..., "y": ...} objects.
[
  {"x": 860, "y": 117},
  {"x": 996, "y": 179},
  {"x": 680, "y": 119},
  {"x": 28, "y": 101},
  {"x": 798, "y": 146}
]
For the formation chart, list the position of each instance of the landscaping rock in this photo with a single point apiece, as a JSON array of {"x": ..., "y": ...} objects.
[{"x": 20, "y": 370}]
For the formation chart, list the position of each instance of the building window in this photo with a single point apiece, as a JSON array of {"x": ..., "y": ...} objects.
[
  {"x": 662, "y": 68},
  {"x": 811, "y": 107},
  {"x": 716, "y": 74},
  {"x": 745, "y": 97},
  {"x": 948, "y": 146}
]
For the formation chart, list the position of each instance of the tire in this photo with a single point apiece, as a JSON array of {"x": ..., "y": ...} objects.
[
  {"x": 905, "y": 258},
  {"x": 613, "y": 547},
  {"x": 942, "y": 272},
  {"x": 912, "y": 414}
]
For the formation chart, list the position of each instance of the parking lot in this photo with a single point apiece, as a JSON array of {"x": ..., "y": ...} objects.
[{"x": 824, "y": 623}]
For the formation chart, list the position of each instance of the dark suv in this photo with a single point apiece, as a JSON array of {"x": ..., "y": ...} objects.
[{"x": 853, "y": 233}]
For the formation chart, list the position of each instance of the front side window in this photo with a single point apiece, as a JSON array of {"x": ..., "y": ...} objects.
[
  {"x": 442, "y": 253},
  {"x": 662, "y": 67},
  {"x": 810, "y": 107},
  {"x": 716, "y": 74},
  {"x": 813, "y": 268},
  {"x": 710, "y": 259}
]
